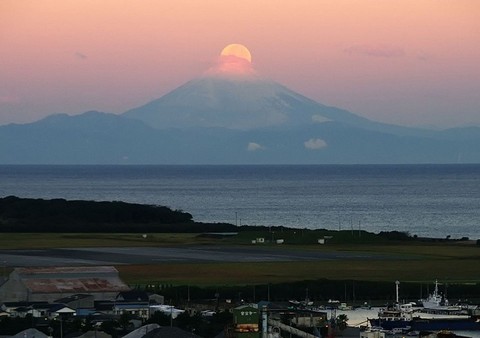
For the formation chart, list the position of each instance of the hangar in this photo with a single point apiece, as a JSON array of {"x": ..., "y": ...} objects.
[{"x": 35, "y": 284}]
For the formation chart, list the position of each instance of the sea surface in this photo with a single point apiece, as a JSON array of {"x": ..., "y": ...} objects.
[{"x": 423, "y": 200}]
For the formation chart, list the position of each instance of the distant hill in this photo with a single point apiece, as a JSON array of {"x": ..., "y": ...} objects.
[
  {"x": 99, "y": 138},
  {"x": 223, "y": 120}
]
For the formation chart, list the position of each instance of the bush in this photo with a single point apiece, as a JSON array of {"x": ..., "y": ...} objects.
[{"x": 395, "y": 235}]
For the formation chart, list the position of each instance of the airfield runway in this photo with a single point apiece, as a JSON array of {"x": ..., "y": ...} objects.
[{"x": 152, "y": 255}]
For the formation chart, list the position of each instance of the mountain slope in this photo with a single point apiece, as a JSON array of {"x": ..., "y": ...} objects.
[
  {"x": 238, "y": 103},
  {"x": 89, "y": 138}
]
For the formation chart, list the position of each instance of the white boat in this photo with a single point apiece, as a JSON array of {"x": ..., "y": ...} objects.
[
  {"x": 436, "y": 303},
  {"x": 435, "y": 300}
]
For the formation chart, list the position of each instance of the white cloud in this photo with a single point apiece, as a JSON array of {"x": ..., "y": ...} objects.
[
  {"x": 319, "y": 119},
  {"x": 252, "y": 146},
  {"x": 315, "y": 144}
]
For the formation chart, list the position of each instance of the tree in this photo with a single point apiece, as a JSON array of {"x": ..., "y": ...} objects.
[
  {"x": 124, "y": 320},
  {"x": 342, "y": 321},
  {"x": 159, "y": 318}
]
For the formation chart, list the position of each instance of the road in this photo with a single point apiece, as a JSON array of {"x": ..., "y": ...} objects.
[{"x": 152, "y": 255}]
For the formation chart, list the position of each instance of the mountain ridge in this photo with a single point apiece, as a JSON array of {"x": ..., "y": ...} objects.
[
  {"x": 63, "y": 140},
  {"x": 217, "y": 120}
]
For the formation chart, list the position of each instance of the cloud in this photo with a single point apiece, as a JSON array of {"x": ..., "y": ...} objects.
[
  {"x": 422, "y": 56},
  {"x": 319, "y": 119},
  {"x": 231, "y": 65},
  {"x": 315, "y": 144},
  {"x": 252, "y": 146},
  {"x": 80, "y": 56},
  {"x": 384, "y": 51}
]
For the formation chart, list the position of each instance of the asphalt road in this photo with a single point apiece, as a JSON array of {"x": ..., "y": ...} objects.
[{"x": 151, "y": 255}]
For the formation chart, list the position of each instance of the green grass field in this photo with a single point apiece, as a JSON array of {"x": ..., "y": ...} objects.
[
  {"x": 417, "y": 261},
  {"x": 86, "y": 240}
]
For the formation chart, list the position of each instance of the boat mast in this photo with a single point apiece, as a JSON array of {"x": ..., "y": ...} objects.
[{"x": 397, "y": 283}]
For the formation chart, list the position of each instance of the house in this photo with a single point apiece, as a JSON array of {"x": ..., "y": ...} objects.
[
  {"x": 51, "y": 283},
  {"x": 140, "y": 310},
  {"x": 57, "y": 310},
  {"x": 36, "y": 310},
  {"x": 21, "y": 309},
  {"x": 89, "y": 334},
  {"x": 141, "y": 331},
  {"x": 155, "y": 298},
  {"x": 30, "y": 333},
  {"x": 135, "y": 303},
  {"x": 77, "y": 301},
  {"x": 133, "y": 296}
]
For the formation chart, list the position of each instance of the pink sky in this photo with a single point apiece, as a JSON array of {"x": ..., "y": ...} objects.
[{"x": 410, "y": 62}]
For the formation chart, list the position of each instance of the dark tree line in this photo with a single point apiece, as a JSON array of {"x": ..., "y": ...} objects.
[
  {"x": 59, "y": 215},
  {"x": 320, "y": 290}
]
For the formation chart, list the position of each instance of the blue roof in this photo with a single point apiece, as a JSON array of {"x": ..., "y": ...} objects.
[
  {"x": 85, "y": 312},
  {"x": 131, "y": 306}
]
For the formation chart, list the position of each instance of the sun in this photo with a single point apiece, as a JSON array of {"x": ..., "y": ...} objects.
[
  {"x": 237, "y": 50},
  {"x": 234, "y": 60}
]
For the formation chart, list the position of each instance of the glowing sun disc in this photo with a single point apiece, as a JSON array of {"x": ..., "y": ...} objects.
[{"x": 237, "y": 50}]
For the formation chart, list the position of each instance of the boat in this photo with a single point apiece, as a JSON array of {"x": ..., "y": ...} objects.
[
  {"x": 395, "y": 319},
  {"x": 438, "y": 304},
  {"x": 452, "y": 323},
  {"x": 396, "y": 316},
  {"x": 345, "y": 307},
  {"x": 435, "y": 300},
  {"x": 406, "y": 317}
]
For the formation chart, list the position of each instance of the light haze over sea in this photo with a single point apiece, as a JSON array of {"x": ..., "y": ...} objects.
[{"x": 424, "y": 200}]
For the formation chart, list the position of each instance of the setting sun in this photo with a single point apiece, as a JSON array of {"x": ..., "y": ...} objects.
[
  {"x": 235, "y": 59},
  {"x": 237, "y": 50}
]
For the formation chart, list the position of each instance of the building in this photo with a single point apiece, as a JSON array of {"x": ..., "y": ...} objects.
[
  {"x": 51, "y": 283},
  {"x": 246, "y": 319},
  {"x": 77, "y": 301},
  {"x": 30, "y": 333}
]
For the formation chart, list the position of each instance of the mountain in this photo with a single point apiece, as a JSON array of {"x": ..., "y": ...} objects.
[
  {"x": 89, "y": 138},
  {"x": 100, "y": 138},
  {"x": 247, "y": 103},
  {"x": 231, "y": 120},
  {"x": 241, "y": 103}
]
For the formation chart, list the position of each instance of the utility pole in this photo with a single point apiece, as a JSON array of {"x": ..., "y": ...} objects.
[{"x": 397, "y": 286}]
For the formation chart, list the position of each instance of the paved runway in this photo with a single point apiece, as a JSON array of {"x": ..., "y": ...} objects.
[{"x": 151, "y": 255}]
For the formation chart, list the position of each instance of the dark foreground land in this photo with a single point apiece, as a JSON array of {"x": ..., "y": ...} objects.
[{"x": 164, "y": 250}]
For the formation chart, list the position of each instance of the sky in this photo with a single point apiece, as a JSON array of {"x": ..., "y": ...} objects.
[{"x": 406, "y": 62}]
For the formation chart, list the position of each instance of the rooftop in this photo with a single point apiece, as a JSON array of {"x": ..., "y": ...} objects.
[
  {"x": 66, "y": 270},
  {"x": 75, "y": 285}
]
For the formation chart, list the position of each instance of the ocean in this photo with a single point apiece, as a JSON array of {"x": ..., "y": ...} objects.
[{"x": 423, "y": 200}]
